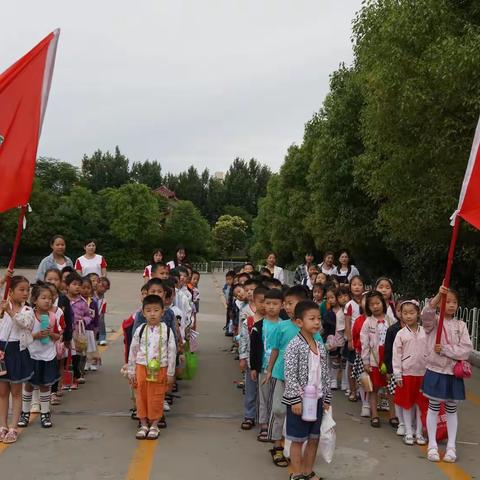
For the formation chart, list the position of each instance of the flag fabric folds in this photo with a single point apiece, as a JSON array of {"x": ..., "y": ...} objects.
[
  {"x": 469, "y": 202},
  {"x": 24, "y": 89}
]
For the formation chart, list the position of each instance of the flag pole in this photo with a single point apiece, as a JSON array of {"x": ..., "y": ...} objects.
[
  {"x": 448, "y": 272},
  {"x": 16, "y": 243}
]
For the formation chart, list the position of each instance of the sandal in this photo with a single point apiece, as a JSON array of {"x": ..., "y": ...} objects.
[
  {"x": 394, "y": 422},
  {"x": 55, "y": 400},
  {"x": 162, "y": 423},
  {"x": 153, "y": 433},
  {"x": 11, "y": 436},
  {"x": 133, "y": 414},
  {"x": 311, "y": 476},
  {"x": 24, "y": 420},
  {"x": 142, "y": 433},
  {"x": 433, "y": 455},
  {"x": 263, "y": 436},
  {"x": 46, "y": 420},
  {"x": 3, "y": 432},
  {"x": 247, "y": 424},
  {"x": 278, "y": 457},
  {"x": 353, "y": 397},
  {"x": 375, "y": 422},
  {"x": 297, "y": 477}
]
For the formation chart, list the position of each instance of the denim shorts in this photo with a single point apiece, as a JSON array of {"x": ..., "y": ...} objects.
[{"x": 299, "y": 430}]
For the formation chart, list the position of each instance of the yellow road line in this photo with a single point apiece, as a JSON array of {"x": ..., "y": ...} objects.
[
  {"x": 142, "y": 460},
  {"x": 451, "y": 470},
  {"x": 473, "y": 398}
]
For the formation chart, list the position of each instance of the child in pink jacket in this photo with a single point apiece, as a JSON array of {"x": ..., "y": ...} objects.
[
  {"x": 408, "y": 361},
  {"x": 440, "y": 383},
  {"x": 372, "y": 337}
]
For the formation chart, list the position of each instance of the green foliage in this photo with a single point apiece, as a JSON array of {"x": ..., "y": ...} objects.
[
  {"x": 149, "y": 173},
  {"x": 56, "y": 176},
  {"x": 230, "y": 234}
]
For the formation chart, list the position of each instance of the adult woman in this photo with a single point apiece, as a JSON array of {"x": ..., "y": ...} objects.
[
  {"x": 301, "y": 273},
  {"x": 271, "y": 264},
  {"x": 327, "y": 267},
  {"x": 91, "y": 262},
  {"x": 345, "y": 270},
  {"x": 57, "y": 259},
  {"x": 180, "y": 258},
  {"x": 156, "y": 257}
]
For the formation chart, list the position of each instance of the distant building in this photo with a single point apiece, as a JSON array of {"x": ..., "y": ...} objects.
[
  {"x": 165, "y": 193},
  {"x": 220, "y": 176}
]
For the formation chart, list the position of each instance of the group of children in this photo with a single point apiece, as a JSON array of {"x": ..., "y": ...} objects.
[
  {"x": 334, "y": 335},
  {"x": 48, "y": 340},
  {"x": 158, "y": 337}
]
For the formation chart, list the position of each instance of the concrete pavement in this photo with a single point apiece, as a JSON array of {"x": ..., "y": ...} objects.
[{"x": 93, "y": 436}]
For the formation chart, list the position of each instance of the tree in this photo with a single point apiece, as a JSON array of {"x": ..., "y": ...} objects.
[
  {"x": 57, "y": 176},
  {"x": 149, "y": 173},
  {"x": 104, "y": 170},
  {"x": 185, "y": 226},
  {"x": 230, "y": 234}
]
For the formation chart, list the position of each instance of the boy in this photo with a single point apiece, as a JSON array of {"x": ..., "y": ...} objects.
[
  {"x": 160, "y": 270},
  {"x": 250, "y": 403},
  {"x": 151, "y": 367},
  {"x": 154, "y": 287},
  {"x": 286, "y": 331},
  {"x": 260, "y": 350},
  {"x": 305, "y": 364}
]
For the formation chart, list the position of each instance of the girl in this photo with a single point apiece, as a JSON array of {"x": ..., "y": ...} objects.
[
  {"x": 321, "y": 278},
  {"x": 352, "y": 312},
  {"x": 384, "y": 285},
  {"x": 345, "y": 271},
  {"x": 317, "y": 293},
  {"x": 57, "y": 259},
  {"x": 156, "y": 257},
  {"x": 440, "y": 384},
  {"x": 91, "y": 262},
  {"x": 16, "y": 324},
  {"x": 44, "y": 356},
  {"x": 91, "y": 329},
  {"x": 372, "y": 337},
  {"x": 342, "y": 295},
  {"x": 408, "y": 370}
]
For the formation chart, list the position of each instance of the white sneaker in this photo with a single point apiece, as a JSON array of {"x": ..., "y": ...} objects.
[
  {"x": 450, "y": 455},
  {"x": 420, "y": 439},
  {"x": 408, "y": 440},
  {"x": 365, "y": 411},
  {"x": 93, "y": 368},
  {"x": 401, "y": 430},
  {"x": 87, "y": 367},
  {"x": 433, "y": 455},
  {"x": 102, "y": 343},
  {"x": 35, "y": 408},
  {"x": 166, "y": 406}
]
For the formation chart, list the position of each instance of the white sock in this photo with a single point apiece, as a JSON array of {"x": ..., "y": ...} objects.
[
  {"x": 408, "y": 420},
  {"x": 26, "y": 400},
  {"x": 345, "y": 377},
  {"x": 452, "y": 423},
  {"x": 432, "y": 419},
  {"x": 419, "y": 430},
  {"x": 399, "y": 414},
  {"x": 45, "y": 402},
  {"x": 365, "y": 397}
]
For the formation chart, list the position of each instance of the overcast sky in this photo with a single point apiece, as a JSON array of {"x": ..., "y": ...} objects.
[{"x": 184, "y": 82}]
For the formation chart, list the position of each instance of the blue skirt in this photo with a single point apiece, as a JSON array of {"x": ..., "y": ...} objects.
[
  {"x": 45, "y": 373},
  {"x": 444, "y": 387},
  {"x": 19, "y": 364}
]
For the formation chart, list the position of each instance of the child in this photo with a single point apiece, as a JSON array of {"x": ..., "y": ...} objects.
[
  {"x": 65, "y": 272},
  {"x": 352, "y": 311},
  {"x": 151, "y": 367},
  {"x": 159, "y": 270},
  {"x": 336, "y": 341},
  {"x": 260, "y": 350},
  {"x": 44, "y": 356},
  {"x": 250, "y": 403},
  {"x": 156, "y": 258},
  {"x": 317, "y": 293},
  {"x": 103, "y": 286},
  {"x": 81, "y": 318},
  {"x": 321, "y": 278},
  {"x": 284, "y": 333},
  {"x": 343, "y": 297},
  {"x": 305, "y": 364},
  {"x": 439, "y": 383},
  {"x": 93, "y": 356},
  {"x": 384, "y": 285},
  {"x": 309, "y": 281},
  {"x": 16, "y": 324},
  {"x": 408, "y": 370},
  {"x": 372, "y": 337},
  {"x": 195, "y": 291}
]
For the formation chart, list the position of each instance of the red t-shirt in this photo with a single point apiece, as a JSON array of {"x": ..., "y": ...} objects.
[{"x": 357, "y": 344}]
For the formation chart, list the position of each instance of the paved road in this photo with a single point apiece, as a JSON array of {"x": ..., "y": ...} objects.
[{"x": 93, "y": 437}]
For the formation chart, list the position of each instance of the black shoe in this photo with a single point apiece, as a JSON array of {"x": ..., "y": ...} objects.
[
  {"x": 24, "y": 419},
  {"x": 45, "y": 420}
]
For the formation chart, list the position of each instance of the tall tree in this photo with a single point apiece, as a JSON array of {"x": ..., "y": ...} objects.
[
  {"x": 230, "y": 234},
  {"x": 57, "y": 176},
  {"x": 149, "y": 173}
]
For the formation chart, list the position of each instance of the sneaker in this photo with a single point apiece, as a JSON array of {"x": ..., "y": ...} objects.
[
  {"x": 74, "y": 386},
  {"x": 420, "y": 439},
  {"x": 102, "y": 343},
  {"x": 450, "y": 455},
  {"x": 433, "y": 455},
  {"x": 365, "y": 411},
  {"x": 401, "y": 430},
  {"x": 35, "y": 408},
  {"x": 81, "y": 380},
  {"x": 166, "y": 406},
  {"x": 87, "y": 367},
  {"x": 408, "y": 440},
  {"x": 93, "y": 368}
]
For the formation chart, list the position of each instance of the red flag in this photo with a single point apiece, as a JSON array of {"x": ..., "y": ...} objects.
[
  {"x": 24, "y": 90},
  {"x": 469, "y": 203}
]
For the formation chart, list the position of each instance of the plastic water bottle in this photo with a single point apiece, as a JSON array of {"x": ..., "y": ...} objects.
[
  {"x": 310, "y": 402},
  {"x": 44, "y": 324}
]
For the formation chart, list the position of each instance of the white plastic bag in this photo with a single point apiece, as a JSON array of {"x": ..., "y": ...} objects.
[{"x": 328, "y": 436}]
